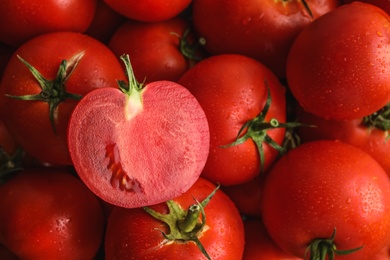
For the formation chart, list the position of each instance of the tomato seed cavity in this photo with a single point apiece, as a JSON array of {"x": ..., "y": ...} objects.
[{"x": 120, "y": 178}]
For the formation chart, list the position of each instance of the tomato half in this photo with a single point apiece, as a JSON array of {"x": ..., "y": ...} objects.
[
  {"x": 327, "y": 195},
  {"x": 138, "y": 145}
]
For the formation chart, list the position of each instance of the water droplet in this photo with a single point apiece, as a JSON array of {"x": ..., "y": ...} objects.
[{"x": 379, "y": 33}]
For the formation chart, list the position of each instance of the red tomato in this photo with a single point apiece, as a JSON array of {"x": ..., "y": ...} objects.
[
  {"x": 370, "y": 139},
  {"x": 133, "y": 233},
  {"x": 322, "y": 187},
  {"x": 149, "y": 10},
  {"x": 49, "y": 214},
  {"x": 138, "y": 145},
  {"x": 154, "y": 48},
  {"x": 232, "y": 89},
  {"x": 342, "y": 72},
  {"x": 259, "y": 245},
  {"x": 263, "y": 30},
  {"x": 30, "y": 122},
  {"x": 22, "y": 20},
  {"x": 104, "y": 23}
]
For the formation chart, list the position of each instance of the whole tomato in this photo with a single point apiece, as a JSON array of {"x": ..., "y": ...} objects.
[
  {"x": 326, "y": 198},
  {"x": 242, "y": 99},
  {"x": 201, "y": 222},
  {"x": 263, "y": 30},
  {"x": 50, "y": 214},
  {"x": 22, "y": 20},
  {"x": 156, "y": 49},
  {"x": 43, "y": 82},
  {"x": 342, "y": 72}
]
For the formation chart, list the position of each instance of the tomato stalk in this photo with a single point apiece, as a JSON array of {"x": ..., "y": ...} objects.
[
  {"x": 321, "y": 248},
  {"x": 53, "y": 91},
  {"x": 257, "y": 128},
  {"x": 132, "y": 89},
  {"x": 183, "y": 224}
]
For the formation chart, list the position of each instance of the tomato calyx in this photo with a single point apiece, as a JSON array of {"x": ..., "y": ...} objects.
[
  {"x": 189, "y": 50},
  {"x": 379, "y": 119},
  {"x": 321, "y": 248},
  {"x": 53, "y": 91},
  {"x": 183, "y": 224},
  {"x": 256, "y": 129}
]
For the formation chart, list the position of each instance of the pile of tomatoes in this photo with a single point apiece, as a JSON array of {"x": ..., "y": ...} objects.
[{"x": 195, "y": 129}]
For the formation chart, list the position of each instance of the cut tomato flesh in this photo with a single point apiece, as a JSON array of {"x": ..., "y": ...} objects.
[{"x": 134, "y": 155}]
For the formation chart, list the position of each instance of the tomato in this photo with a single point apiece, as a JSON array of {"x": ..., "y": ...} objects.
[
  {"x": 259, "y": 245},
  {"x": 133, "y": 233},
  {"x": 104, "y": 23},
  {"x": 138, "y": 145},
  {"x": 330, "y": 194},
  {"x": 154, "y": 48},
  {"x": 149, "y": 10},
  {"x": 232, "y": 90},
  {"x": 263, "y": 30},
  {"x": 39, "y": 126},
  {"x": 341, "y": 72},
  {"x": 49, "y": 214},
  {"x": 373, "y": 140},
  {"x": 22, "y": 20}
]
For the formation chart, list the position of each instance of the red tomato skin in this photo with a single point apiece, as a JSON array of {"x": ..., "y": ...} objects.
[
  {"x": 383, "y": 4},
  {"x": 259, "y": 245},
  {"x": 149, "y": 10},
  {"x": 342, "y": 72},
  {"x": 322, "y": 185},
  {"x": 153, "y": 48},
  {"x": 372, "y": 140},
  {"x": 231, "y": 90},
  {"x": 50, "y": 214},
  {"x": 133, "y": 233},
  {"x": 28, "y": 121},
  {"x": 22, "y": 20},
  {"x": 263, "y": 30}
]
